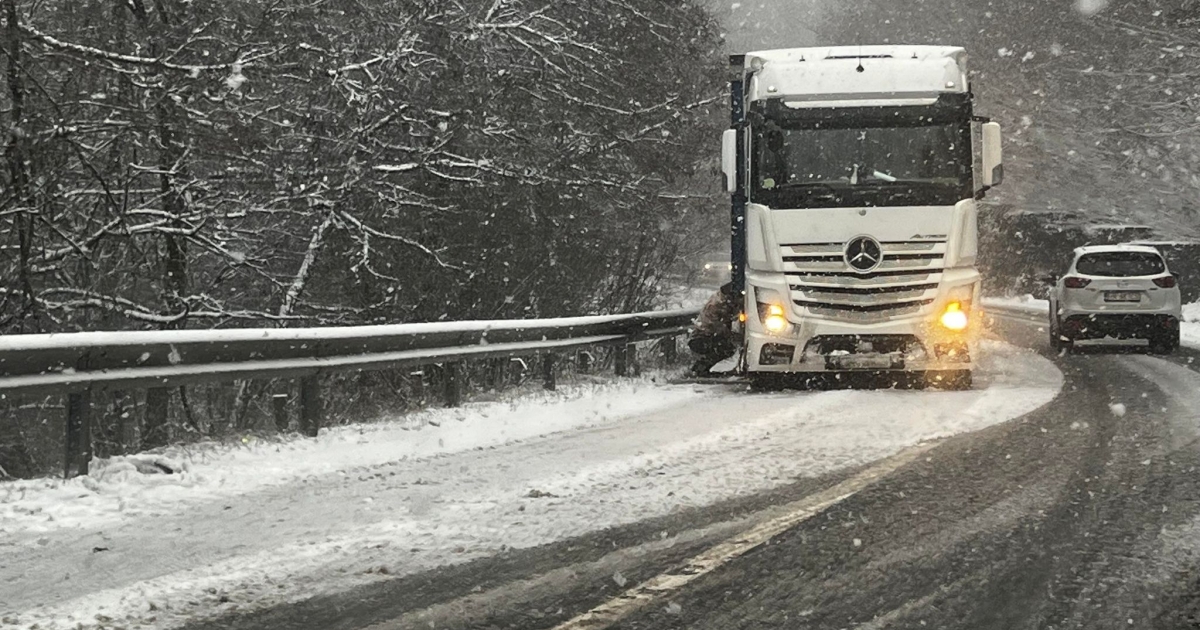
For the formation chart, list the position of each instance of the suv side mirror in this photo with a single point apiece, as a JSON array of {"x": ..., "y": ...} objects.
[
  {"x": 993, "y": 156},
  {"x": 729, "y": 159}
]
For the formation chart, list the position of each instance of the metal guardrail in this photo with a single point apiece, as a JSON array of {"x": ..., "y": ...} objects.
[{"x": 81, "y": 364}]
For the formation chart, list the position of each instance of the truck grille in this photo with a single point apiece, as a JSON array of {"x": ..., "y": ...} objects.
[{"x": 904, "y": 284}]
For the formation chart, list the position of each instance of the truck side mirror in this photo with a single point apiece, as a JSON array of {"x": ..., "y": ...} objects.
[
  {"x": 729, "y": 159},
  {"x": 993, "y": 156}
]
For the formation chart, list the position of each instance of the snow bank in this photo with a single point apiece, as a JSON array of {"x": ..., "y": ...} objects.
[
  {"x": 1189, "y": 331},
  {"x": 1025, "y": 304},
  {"x": 115, "y": 490}
]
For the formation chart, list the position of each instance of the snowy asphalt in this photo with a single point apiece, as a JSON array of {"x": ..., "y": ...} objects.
[{"x": 1082, "y": 514}]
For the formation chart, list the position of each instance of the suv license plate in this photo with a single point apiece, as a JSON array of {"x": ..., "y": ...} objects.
[{"x": 1122, "y": 296}]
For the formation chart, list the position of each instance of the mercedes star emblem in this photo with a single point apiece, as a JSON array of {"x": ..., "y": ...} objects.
[{"x": 863, "y": 254}]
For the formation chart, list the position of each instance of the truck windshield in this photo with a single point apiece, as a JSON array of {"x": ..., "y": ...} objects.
[{"x": 827, "y": 166}]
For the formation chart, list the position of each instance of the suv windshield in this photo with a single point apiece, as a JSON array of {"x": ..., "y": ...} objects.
[{"x": 1121, "y": 264}]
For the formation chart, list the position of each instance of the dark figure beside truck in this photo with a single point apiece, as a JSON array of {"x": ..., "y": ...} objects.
[{"x": 713, "y": 338}]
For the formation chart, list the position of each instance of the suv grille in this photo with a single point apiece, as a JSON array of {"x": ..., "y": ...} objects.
[{"x": 904, "y": 284}]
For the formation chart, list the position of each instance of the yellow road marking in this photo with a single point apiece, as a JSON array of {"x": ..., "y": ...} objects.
[{"x": 665, "y": 584}]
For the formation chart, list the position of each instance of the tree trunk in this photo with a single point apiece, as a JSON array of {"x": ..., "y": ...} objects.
[
  {"x": 14, "y": 454},
  {"x": 174, "y": 268},
  {"x": 18, "y": 165}
]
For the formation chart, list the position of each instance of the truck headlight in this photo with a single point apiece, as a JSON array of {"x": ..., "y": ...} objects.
[
  {"x": 955, "y": 316},
  {"x": 775, "y": 321},
  {"x": 770, "y": 310}
]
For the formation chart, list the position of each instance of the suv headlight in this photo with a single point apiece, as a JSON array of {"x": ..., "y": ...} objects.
[{"x": 771, "y": 311}]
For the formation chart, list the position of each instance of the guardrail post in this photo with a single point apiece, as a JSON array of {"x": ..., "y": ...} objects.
[
  {"x": 670, "y": 350},
  {"x": 310, "y": 405},
  {"x": 156, "y": 427},
  {"x": 416, "y": 384},
  {"x": 497, "y": 370},
  {"x": 625, "y": 360},
  {"x": 279, "y": 407},
  {"x": 78, "y": 454},
  {"x": 453, "y": 373},
  {"x": 548, "y": 364},
  {"x": 584, "y": 360},
  {"x": 79, "y": 434}
]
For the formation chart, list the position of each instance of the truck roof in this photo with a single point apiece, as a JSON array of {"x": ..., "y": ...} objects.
[
  {"x": 823, "y": 75},
  {"x": 817, "y": 53}
]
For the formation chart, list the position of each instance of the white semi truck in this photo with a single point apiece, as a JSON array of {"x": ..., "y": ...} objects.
[{"x": 854, "y": 174}]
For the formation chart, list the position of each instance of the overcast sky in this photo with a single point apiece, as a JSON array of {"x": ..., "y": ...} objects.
[{"x": 764, "y": 24}]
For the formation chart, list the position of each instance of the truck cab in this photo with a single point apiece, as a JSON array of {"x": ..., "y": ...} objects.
[{"x": 854, "y": 179}]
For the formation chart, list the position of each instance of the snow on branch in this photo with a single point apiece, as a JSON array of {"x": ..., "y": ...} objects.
[
  {"x": 310, "y": 256},
  {"x": 82, "y": 298},
  {"x": 91, "y": 51},
  {"x": 396, "y": 168},
  {"x": 400, "y": 239}
]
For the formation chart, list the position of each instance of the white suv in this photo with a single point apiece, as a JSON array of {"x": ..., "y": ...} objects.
[{"x": 1116, "y": 291}]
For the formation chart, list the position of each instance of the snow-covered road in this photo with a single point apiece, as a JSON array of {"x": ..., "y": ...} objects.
[{"x": 268, "y": 524}]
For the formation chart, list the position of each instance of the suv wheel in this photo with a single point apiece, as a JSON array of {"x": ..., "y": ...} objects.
[
  {"x": 1052, "y": 325},
  {"x": 1057, "y": 341},
  {"x": 1164, "y": 343}
]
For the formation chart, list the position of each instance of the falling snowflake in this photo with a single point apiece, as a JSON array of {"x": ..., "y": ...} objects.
[
  {"x": 235, "y": 78},
  {"x": 1090, "y": 7}
]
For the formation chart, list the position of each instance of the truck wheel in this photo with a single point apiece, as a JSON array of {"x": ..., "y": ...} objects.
[
  {"x": 916, "y": 381},
  {"x": 957, "y": 380},
  {"x": 765, "y": 382}
]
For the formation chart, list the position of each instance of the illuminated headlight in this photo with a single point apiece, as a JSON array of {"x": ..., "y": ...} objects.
[
  {"x": 955, "y": 317},
  {"x": 707, "y": 266},
  {"x": 775, "y": 320},
  {"x": 770, "y": 310}
]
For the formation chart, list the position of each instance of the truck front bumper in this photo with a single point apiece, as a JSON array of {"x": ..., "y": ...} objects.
[{"x": 829, "y": 347}]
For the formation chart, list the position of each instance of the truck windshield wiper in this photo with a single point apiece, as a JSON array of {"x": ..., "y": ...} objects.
[
  {"x": 895, "y": 183},
  {"x": 827, "y": 186}
]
